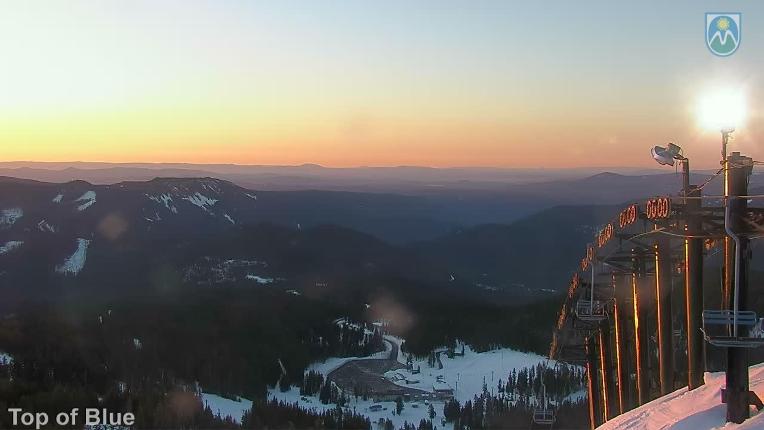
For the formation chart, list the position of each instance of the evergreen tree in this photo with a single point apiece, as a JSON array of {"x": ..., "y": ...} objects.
[
  {"x": 451, "y": 410},
  {"x": 326, "y": 393},
  {"x": 283, "y": 384}
]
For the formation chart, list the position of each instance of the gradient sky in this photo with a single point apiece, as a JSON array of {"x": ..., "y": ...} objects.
[{"x": 348, "y": 83}]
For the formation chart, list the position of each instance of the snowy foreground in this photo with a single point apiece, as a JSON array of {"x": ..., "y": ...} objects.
[
  {"x": 700, "y": 409},
  {"x": 465, "y": 374}
]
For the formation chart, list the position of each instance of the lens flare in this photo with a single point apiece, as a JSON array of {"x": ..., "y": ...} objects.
[{"x": 722, "y": 108}]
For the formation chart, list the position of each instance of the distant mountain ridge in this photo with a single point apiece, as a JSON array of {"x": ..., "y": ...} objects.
[
  {"x": 208, "y": 204},
  {"x": 142, "y": 232},
  {"x": 397, "y": 204},
  {"x": 396, "y": 179},
  {"x": 45, "y": 225}
]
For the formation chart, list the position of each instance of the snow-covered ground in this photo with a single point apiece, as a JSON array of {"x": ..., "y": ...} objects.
[
  {"x": 469, "y": 370},
  {"x": 260, "y": 279},
  {"x": 10, "y": 246},
  {"x": 465, "y": 375},
  {"x": 88, "y": 199},
  {"x": 166, "y": 201},
  {"x": 45, "y": 226},
  {"x": 413, "y": 412},
  {"x": 8, "y": 217},
  {"x": 226, "y": 407},
  {"x": 201, "y": 200},
  {"x": 76, "y": 261},
  {"x": 700, "y": 409},
  {"x": 575, "y": 396},
  {"x": 331, "y": 363}
]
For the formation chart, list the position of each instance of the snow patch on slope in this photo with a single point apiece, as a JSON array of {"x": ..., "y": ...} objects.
[
  {"x": 700, "y": 409},
  {"x": 8, "y": 217},
  {"x": 10, "y": 246},
  {"x": 89, "y": 198},
  {"x": 226, "y": 407},
  {"x": 260, "y": 280},
  {"x": 58, "y": 198},
  {"x": 5, "y": 359},
  {"x": 44, "y": 226},
  {"x": 327, "y": 366},
  {"x": 469, "y": 370},
  {"x": 228, "y": 217},
  {"x": 74, "y": 264},
  {"x": 165, "y": 200},
  {"x": 199, "y": 199}
]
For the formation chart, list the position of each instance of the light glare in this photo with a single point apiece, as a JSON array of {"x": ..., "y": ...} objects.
[{"x": 722, "y": 108}]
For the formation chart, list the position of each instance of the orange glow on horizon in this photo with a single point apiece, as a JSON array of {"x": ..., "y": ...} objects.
[{"x": 261, "y": 83}]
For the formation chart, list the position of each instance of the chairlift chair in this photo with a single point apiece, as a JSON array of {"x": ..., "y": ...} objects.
[
  {"x": 542, "y": 415},
  {"x": 590, "y": 309},
  {"x": 734, "y": 321}
]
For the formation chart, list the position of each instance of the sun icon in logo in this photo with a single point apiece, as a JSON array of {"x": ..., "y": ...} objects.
[
  {"x": 722, "y": 33},
  {"x": 723, "y": 24}
]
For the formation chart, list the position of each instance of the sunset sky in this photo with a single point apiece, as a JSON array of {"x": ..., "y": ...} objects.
[{"x": 350, "y": 83}]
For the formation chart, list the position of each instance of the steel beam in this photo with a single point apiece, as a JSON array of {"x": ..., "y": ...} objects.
[
  {"x": 592, "y": 384},
  {"x": 609, "y": 398},
  {"x": 664, "y": 299},
  {"x": 740, "y": 168},
  {"x": 621, "y": 375},
  {"x": 693, "y": 284},
  {"x": 641, "y": 334}
]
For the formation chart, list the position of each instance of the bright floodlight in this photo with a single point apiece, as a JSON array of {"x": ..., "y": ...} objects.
[
  {"x": 667, "y": 155},
  {"x": 662, "y": 156},
  {"x": 722, "y": 109}
]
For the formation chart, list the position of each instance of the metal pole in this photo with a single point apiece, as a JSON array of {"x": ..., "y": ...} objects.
[
  {"x": 620, "y": 367},
  {"x": 729, "y": 245},
  {"x": 630, "y": 350},
  {"x": 737, "y": 358},
  {"x": 685, "y": 176},
  {"x": 693, "y": 284},
  {"x": 592, "y": 383},
  {"x": 606, "y": 368},
  {"x": 729, "y": 273},
  {"x": 663, "y": 296},
  {"x": 641, "y": 344}
]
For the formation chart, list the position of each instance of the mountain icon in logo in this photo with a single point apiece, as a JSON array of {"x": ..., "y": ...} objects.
[{"x": 723, "y": 33}]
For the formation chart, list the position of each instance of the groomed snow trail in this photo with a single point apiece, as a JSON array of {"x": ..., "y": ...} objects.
[{"x": 700, "y": 409}]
